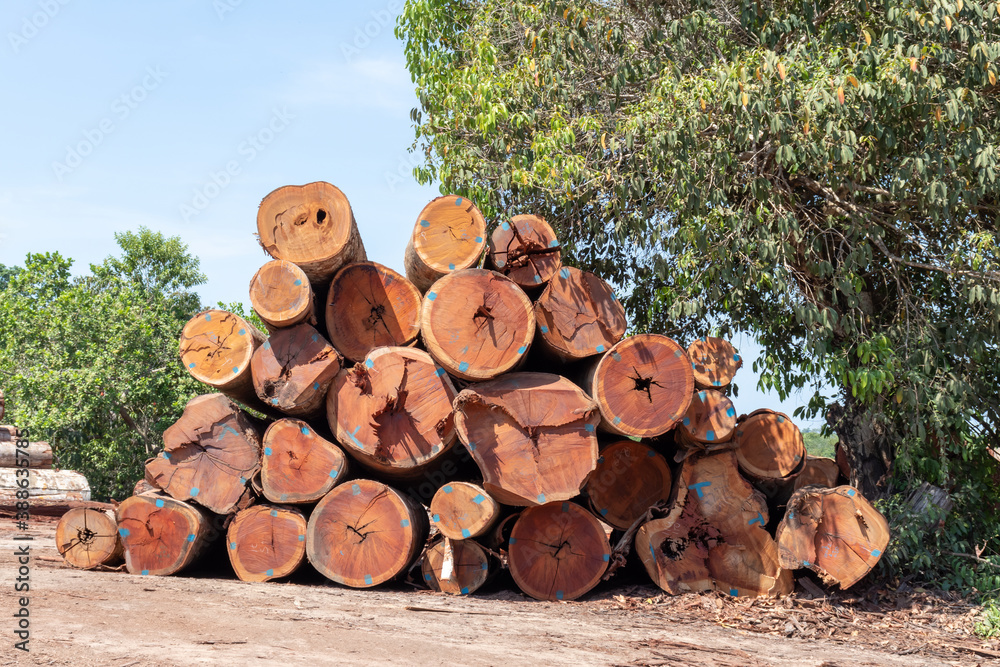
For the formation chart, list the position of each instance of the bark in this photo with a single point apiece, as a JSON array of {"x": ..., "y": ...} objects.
[{"x": 866, "y": 446}]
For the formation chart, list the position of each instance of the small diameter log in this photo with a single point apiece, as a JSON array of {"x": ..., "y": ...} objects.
[
  {"x": 819, "y": 471},
  {"x": 312, "y": 226},
  {"x": 43, "y": 485},
  {"x": 532, "y": 435},
  {"x": 578, "y": 316},
  {"x": 393, "y": 413},
  {"x": 209, "y": 455},
  {"x": 35, "y": 455},
  {"x": 280, "y": 293},
  {"x": 266, "y": 542},
  {"x": 298, "y": 465},
  {"x": 364, "y": 533},
  {"x": 715, "y": 362},
  {"x": 710, "y": 419},
  {"x": 8, "y": 433},
  {"x": 162, "y": 535},
  {"x": 88, "y": 538},
  {"x": 526, "y": 250},
  {"x": 455, "y": 567},
  {"x": 836, "y": 533},
  {"x": 2, "y": 405},
  {"x": 558, "y": 551},
  {"x": 477, "y": 324},
  {"x": 449, "y": 235},
  {"x": 629, "y": 479},
  {"x": 293, "y": 370},
  {"x": 770, "y": 448},
  {"x": 216, "y": 347},
  {"x": 462, "y": 510},
  {"x": 643, "y": 386},
  {"x": 371, "y": 306}
]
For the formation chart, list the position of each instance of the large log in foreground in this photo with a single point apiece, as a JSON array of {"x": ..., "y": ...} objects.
[
  {"x": 162, "y": 535},
  {"x": 266, "y": 542},
  {"x": 293, "y": 370},
  {"x": 629, "y": 479},
  {"x": 526, "y": 250},
  {"x": 578, "y": 316},
  {"x": 298, "y": 465},
  {"x": 88, "y": 538},
  {"x": 216, "y": 347},
  {"x": 312, "y": 226},
  {"x": 280, "y": 293},
  {"x": 532, "y": 435},
  {"x": 449, "y": 235}
]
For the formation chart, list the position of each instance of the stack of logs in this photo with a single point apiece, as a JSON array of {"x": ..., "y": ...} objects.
[{"x": 467, "y": 420}]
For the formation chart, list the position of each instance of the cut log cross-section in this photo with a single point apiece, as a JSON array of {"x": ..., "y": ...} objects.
[
  {"x": 462, "y": 510},
  {"x": 216, "y": 347},
  {"x": 770, "y": 447},
  {"x": 266, "y": 542},
  {"x": 298, "y": 465},
  {"x": 280, "y": 293},
  {"x": 449, "y": 235},
  {"x": 210, "y": 454},
  {"x": 161, "y": 535},
  {"x": 710, "y": 419},
  {"x": 34, "y": 455},
  {"x": 312, "y": 226},
  {"x": 558, "y": 551},
  {"x": 526, "y": 250},
  {"x": 477, "y": 324},
  {"x": 393, "y": 413},
  {"x": 456, "y": 567},
  {"x": 370, "y": 306},
  {"x": 629, "y": 479},
  {"x": 293, "y": 369},
  {"x": 364, "y": 533},
  {"x": 578, "y": 316},
  {"x": 88, "y": 538},
  {"x": 714, "y": 361},
  {"x": 532, "y": 435}
]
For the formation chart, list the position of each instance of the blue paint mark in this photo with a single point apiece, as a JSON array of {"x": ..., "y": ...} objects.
[
  {"x": 850, "y": 492},
  {"x": 159, "y": 502},
  {"x": 270, "y": 573},
  {"x": 190, "y": 538},
  {"x": 606, "y": 557},
  {"x": 618, "y": 420},
  {"x": 589, "y": 428},
  {"x": 781, "y": 420},
  {"x": 451, "y": 267},
  {"x": 267, "y": 345},
  {"x": 736, "y": 357},
  {"x": 472, "y": 446},
  {"x": 702, "y": 396},
  {"x": 274, "y": 401},
  {"x": 805, "y": 563},
  {"x": 600, "y": 348},
  {"x": 651, "y": 453},
  {"x": 559, "y": 595},
  {"x": 538, "y": 278},
  {"x": 545, "y": 330},
  {"x": 432, "y": 295},
  {"x": 145, "y": 573},
  {"x": 716, "y": 383},
  {"x": 464, "y": 366},
  {"x": 355, "y": 489},
  {"x": 485, "y": 566},
  {"x": 369, "y": 363},
  {"x": 465, "y": 590},
  {"x": 616, "y": 356},
  {"x": 166, "y": 455},
  {"x": 123, "y": 532},
  {"x": 229, "y": 429},
  {"x": 541, "y": 497},
  {"x": 565, "y": 507},
  {"x": 436, "y": 518},
  {"x": 677, "y": 353},
  {"x": 315, "y": 337},
  {"x": 302, "y": 538},
  {"x": 759, "y": 519},
  {"x": 274, "y": 513},
  {"x": 687, "y": 421},
  {"x": 334, "y": 473},
  {"x": 368, "y": 580},
  {"x": 191, "y": 365},
  {"x": 564, "y": 272},
  {"x": 232, "y": 545},
  {"x": 652, "y": 551},
  {"x": 425, "y": 223},
  {"x": 305, "y": 430},
  {"x": 236, "y": 369},
  {"x": 267, "y": 451},
  {"x": 505, "y": 226},
  {"x": 447, "y": 488},
  {"x": 194, "y": 491},
  {"x": 404, "y": 523},
  {"x": 439, "y": 372},
  {"x": 697, "y": 487},
  {"x": 731, "y": 412},
  {"x": 479, "y": 499},
  {"x": 284, "y": 496},
  {"x": 427, "y": 577},
  {"x": 733, "y": 592},
  {"x": 298, "y": 282},
  {"x": 876, "y": 553},
  {"x": 466, "y": 533},
  {"x": 554, "y": 243},
  {"x": 243, "y": 480},
  {"x": 458, "y": 202},
  {"x": 522, "y": 349},
  {"x": 243, "y": 332},
  {"x": 352, "y": 434},
  {"x": 710, "y": 436},
  {"x": 604, "y": 512},
  {"x": 600, "y": 459},
  {"x": 208, "y": 318},
  {"x": 479, "y": 239}
]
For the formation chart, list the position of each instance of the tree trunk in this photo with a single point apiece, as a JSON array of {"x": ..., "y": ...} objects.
[
  {"x": 833, "y": 532},
  {"x": 477, "y": 324},
  {"x": 770, "y": 448},
  {"x": 710, "y": 419},
  {"x": 8, "y": 433},
  {"x": 364, "y": 533},
  {"x": 162, "y": 535},
  {"x": 266, "y": 542},
  {"x": 44, "y": 485},
  {"x": 298, "y": 465},
  {"x": 38, "y": 455},
  {"x": 642, "y": 385},
  {"x": 449, "y": 235},
  {"x": 558, "y": 551},
  {"x": 281, "y": 295},
  {"x": 455, "y": 567},
  {"x": 371, "y": 306},
  {"x": 88, "y": 538},
  {"x": 629, "y": 479},
  {"x": 578, "y": 316},
  {"x": 526, "y": 250},
  {"x": 532, "y": 435},
  {"x": 312, "y": 226},
  {"x": 209, "y": 456},
  {"x": 868, "y": 452},
  {"x": 216, "y": 348},
  {"x": 715, "y": 362},
  {"x": 462, "y": 510},
  {"x": 393, "y": 413},
  {"x": 293, "y": 370}
]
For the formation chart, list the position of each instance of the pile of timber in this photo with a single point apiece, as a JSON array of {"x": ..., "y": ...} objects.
[
  {"x": 27, "y": 474},
  {"x": 483, "y": 410}
]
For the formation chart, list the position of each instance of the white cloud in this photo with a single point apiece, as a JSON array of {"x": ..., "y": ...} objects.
[{"x": 364, "y": 83}]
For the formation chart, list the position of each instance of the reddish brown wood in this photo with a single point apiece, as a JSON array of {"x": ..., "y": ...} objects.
[
  {"x": 819, "y": 471},
  {"x": 770, "y": 447},
  {"x": 298, "y": 465},
  {"x": 710, "y": 419},
  {"x": 526, "y": 250},
  {"x": 293, "y": 370},
  {"x": 281, "y": 295},
  {"x": 462, "y": 510},
  {"x": 715, "y": 362},
  {"x": 216, "y": 347},
  {"x": 449, "y": 235},
  {"x": 266, "y": 542},
  {"x": 161, "y": 535},
  {"x": 88, "y": 538},
  {"x": 455, "y": 567},
  {"x": 578, "y": 316},
  {"x": 629, "y": 479}
]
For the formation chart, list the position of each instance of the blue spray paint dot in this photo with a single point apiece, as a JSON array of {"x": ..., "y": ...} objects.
[
  {"x": 710, "y": 436},
  {"x": 541, "y": 497},
  {"x": 451, "y": 267},
  {"x": 513, "y": 540},
  {"x": 466, "y": 533},
  {"x": 554, "y": 243},
  {"x": 606, "y": 557},
  {"x": 355, "y": 490},
  {"x": 479, "y": 499},
  {"x": 274, "y": 401},
  {"x": 651, "y": 453},
  {"x": 781, "y": 420},
  {"x": 425, "y": 223},
  {"x": 267, "y": 451},
  {"x": 368, "y": 580},
  {"x": 208, "y": 318},
  {"x": 334, "y": 473},
  {"x": 687, "y": 421},
  {"x": 618, "y": 420},
  {"x": 458, "y": 202},
  {"x": 298, "y": 282},
  {"x": 565, "y": 507},
  {"x": 850, "y": 492},
  {"x": 369, "y": 363},
  {"x": 123, "y": 532},
  {"x": 315, "y": 386},
  {"x": 315, "y": 337},
  {"x": 465, "y": 590},
  {"x": 545, "y": 330},
  {"x": 436, "y": 518},
  {"x": 190, "y": 538},
  {"x": 600, "y": 459},
  {"x": 166, "y": 455},
  {"x": 522, "y": 349},
  {"x": 731, "y": 412},
  {"x": 559, "y": 595},
  {"x": 479, "y": 239},
  {"x": 472, "y": 446},
  {"x": 538, "y": 278},
  {"x": 604, "y": 512},
  {"x": 243, "y": 332},
  {"x": 616, "y": 356},
  {"x": 702, "y": 396},
  {"x": 404, "y": 523},
  {"x": 284, "y": 496},
  {"x": 464, "y": 366},
  {"x": 447, "y": 488},
  {"x": 432, "y": 295},
  {"x": 805, "y": 563},
  {"x": 159, "y": 502},
  {"x": 589, "y": 428},
  {"x": 194, "y": 491},
  {"x": 736, "y": 357},
  {"x": 876, "y": 553},
  {"x": 564, "y": 272},
  {"x": 274, "y": 513},
  {"x": 232, "y": 545},
  {"x": 439, "y": 372},
  {"x": 733, "y": 592},
  {"x": 505, "y": 226},
  {"x": 145, "y": 573},
  {"x": 677, "y": 353},
  {"x": 243, "y": 480},
  {"x": 485, "y": 566},
  {"x": 302, "y": 538},
  {"x": 270, "y": 573},
  {"x": 427, "y": 577},
  {"x": 716, "y": 383},
  {"x": 236, "y": 369},
  {"x": 305, "y": 430},
  {"x": 267, "y": 345}
]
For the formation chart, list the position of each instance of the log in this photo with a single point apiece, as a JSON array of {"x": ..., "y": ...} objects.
[
  {"x": 298, "y": 465},
  {"x": 629, "y": 479},
  {"x": 526, "y": 250},
  {"x": 449, "y": 235},
  {"x": 293, "y": 370},
  {"x": 162, "y": 535},
  {"x": 393, "y": 413},
  {"x": 312, "y": 226},
  {"x": 216, "y": 347},
  {"x": 818, "y": 471},
  {"x": 266, "y": 542},
  {"x": 364, "y": 533},
  {"x": 209, "y": 455},
  {"x": 281, "y": 295},
  {"x": 49, "y": 508},
  {"x": 9, "y": 433},
  {"x": 558, "y": 551},
  {"x": 578, "y": 316},
  {"x": 477, "y": 324},
  {"x": 836, "y": 533},
  {"x": 715, "y": 362},
  {"x": 642, "y": 385},
  {"x": 769, "y": 447},
  {"x": 455, "y": 567},
  {"x": 2, "y": 405},
  {"x": 36, "y": 454},
  {"x": 44, "y": 485},
  {"x": 532, "y": 435},
  {"x": 462, "y": 510},
  {"x": 88, "y": 538},
  {"x": 370, "y": 306},
  {"x": 710, "y": 419}
]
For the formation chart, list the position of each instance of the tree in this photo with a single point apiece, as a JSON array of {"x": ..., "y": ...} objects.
[
  {"x": 91, "y": 363},
  {"x": 820, "y": 175}
]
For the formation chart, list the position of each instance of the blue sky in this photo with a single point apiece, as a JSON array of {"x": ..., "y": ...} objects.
[{"x": 181, "y": 116}]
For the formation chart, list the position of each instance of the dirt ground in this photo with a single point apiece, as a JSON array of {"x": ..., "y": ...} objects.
[{"x": 83, "y": 618}]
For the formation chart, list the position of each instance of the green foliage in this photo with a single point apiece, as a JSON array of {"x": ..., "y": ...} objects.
[
  {"x": 248, "y": 314},
  {"x": 818, "y": 444},
  {"x": 91, "y": 363},
  {"x": 988, "y": 625}
]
